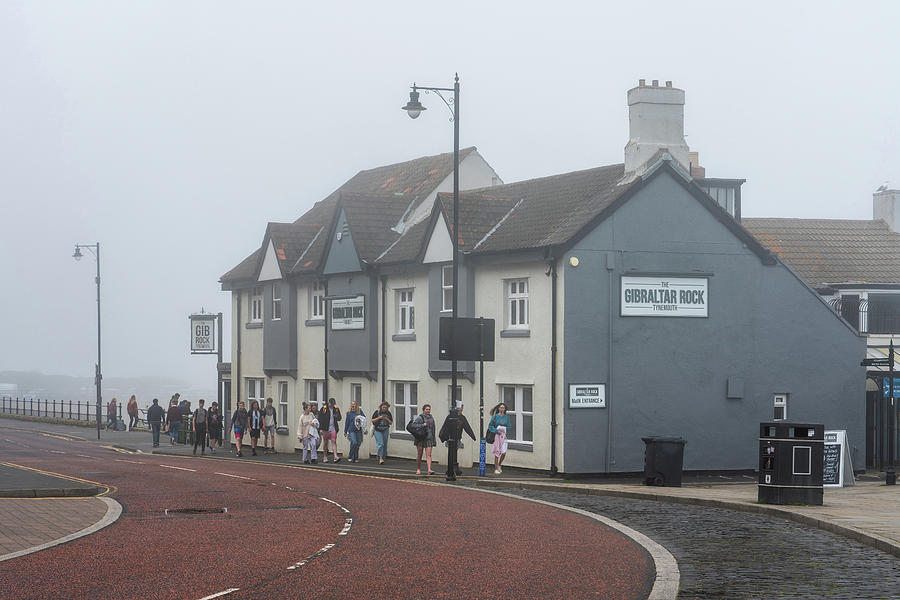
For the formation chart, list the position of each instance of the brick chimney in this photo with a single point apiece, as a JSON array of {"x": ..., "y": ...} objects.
[{"x": 656, "y": 122}]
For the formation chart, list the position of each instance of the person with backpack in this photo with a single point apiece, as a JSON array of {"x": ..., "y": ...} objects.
[
  {"x": 354, "y": 425},
  {"x": 155, "y": 416},
  {"x": 199, "y": 425},
  {"x": 451, "y": 434},
  {"x": 214, "y": 427},
  {"x": 173, "y": 417},
  {"x": 426, "y": 441},
  {"x": 239, "y": 422},
  {"x": 329, "y": 423},
  {"x": 270, "y": 422},
  {"x": 382, "y": 419}
]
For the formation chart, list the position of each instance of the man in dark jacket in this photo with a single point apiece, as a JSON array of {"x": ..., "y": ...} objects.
[
  {"x": 451, "y": 433},
  {"x": 155, "y": 416},
  {"x": 174, "y": 417},
  {"x": 199, "y": 424}
]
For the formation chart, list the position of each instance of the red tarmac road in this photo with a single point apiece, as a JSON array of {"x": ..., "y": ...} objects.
[{"x": 301, "y": 533}]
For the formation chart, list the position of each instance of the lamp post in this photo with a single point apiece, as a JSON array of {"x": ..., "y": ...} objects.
[
  {"x": 414, "y": 108},
  {"x": 95, "y": 250}
]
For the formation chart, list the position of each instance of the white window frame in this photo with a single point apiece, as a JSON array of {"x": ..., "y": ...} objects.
[
  {"x": 256, "y": 305},
  {"x": 515, "y": 411},
  {"x": 356, "y": 393},
  {"x": 317, "y": 300},
  {"x": 780, "y": 402},
  {"x": 406, "y": 311},
  {"x": 517, "y": 309},
  {"x": 406, "y": 401},
  {"x": 276, "y": 301},
  {"x": 315, "y": 391},
  {"x": 256, "y": 390},
  {"x": 447, "y": 288},
  {"x": 283, "y": 402}
]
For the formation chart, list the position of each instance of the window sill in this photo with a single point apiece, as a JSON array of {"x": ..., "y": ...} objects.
[
  {"x": 255, "y": 325},
  {"x": 315, "y": 322},
  {"x": 520, "y": 446},
  {"x": 515, "y": 333},
  {"x": 400, "y": 435},
  {"x": 403, "y": 337}
]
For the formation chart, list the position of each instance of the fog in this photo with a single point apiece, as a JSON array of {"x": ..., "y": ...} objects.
[{"x": 171, "y": 132}]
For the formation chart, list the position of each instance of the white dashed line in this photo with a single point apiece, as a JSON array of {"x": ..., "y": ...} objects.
[
  {"x": 179, "y": 468},
  {"x": 235, "y": 476},
  {"x": 81, "y": 455},
  {"x": 348, "y": 523},
  {"x": 309, "y": 558},
  {"x": 57, "y": 452},
  {"x": 336, "y": 504},
  {"x": 220, "y": 594},
  {"x": 134, "y": 462}
]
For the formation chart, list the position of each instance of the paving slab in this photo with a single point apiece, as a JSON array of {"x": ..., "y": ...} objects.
[{"x": 18, "y": 482}]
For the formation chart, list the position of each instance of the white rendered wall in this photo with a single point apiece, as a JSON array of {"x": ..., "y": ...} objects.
[{"x": 656, "y": 122}]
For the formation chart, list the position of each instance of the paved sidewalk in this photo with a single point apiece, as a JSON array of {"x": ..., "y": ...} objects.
[{"x": 868, "y": 512}]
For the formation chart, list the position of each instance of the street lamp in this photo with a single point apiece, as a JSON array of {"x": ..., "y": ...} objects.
[
  {"x": 414, "y": 108},
  {"x": 95, "y": 250}
]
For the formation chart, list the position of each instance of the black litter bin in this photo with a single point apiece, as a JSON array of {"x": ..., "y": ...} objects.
[
  {"x": 791, "y": 463},
  {"x": 663, "y": 460}
]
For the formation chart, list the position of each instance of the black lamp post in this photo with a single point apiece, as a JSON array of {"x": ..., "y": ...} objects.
[
  {"x": 95, "y": 250},
  {"x": 414, "y": 108}
]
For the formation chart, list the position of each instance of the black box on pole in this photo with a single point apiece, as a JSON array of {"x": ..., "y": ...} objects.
[{"x": 474, "y": 339}]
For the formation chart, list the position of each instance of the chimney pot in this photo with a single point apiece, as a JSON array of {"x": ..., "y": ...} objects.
[
  {"x": 656, "y": 83},
  {"x": 642, "y": 82},
  {"x": 668, "y": 84}
]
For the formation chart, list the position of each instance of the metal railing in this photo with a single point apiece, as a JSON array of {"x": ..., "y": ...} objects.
[
  {"x": 866, "y": 317},
  {"x": 57, "y": 409}
]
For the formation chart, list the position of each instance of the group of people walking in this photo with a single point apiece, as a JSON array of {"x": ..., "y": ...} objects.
[{"x": 318, "y": 429}]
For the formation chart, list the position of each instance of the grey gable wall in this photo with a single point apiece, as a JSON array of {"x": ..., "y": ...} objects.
[
  {"x": 668, "y": 375},
  {"x": 280, "y": 337},
  {"x": 466, "y": 298},
  {"x": 355, "y": 350},
  {"x": 342, "y": 256}
]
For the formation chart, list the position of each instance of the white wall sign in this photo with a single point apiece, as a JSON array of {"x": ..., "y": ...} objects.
[
  {"x": 587, "y": 395},
  {"x": 203, "y": 334},
  {"x": 348, "y": 313},
  {"x": 664, "y": 296}
]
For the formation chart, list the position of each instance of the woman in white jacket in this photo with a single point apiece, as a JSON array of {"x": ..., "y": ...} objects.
[{"x": 306, "y": 430}]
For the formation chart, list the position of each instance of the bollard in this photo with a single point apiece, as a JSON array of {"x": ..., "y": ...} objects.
[{"x": 890, "y": 476}]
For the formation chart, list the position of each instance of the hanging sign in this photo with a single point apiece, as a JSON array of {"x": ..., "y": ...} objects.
[
  {"x": 886, "y": 384},
  {"x": 664, "y": 296},
  {"x": 348, "y": 313},
  {"x": 203, "y": 334}
]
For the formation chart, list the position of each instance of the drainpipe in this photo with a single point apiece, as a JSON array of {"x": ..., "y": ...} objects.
[
  {"x": 610, "y": 268},
  {"x": 553, "y": 301},
  {"x": 383, "y": 335},
  {"x": 327, "y": 314}
]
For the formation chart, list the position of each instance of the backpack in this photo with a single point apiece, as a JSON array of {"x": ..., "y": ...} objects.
[{"x": 416, "y": 428}]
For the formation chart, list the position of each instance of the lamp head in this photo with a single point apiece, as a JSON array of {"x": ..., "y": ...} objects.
[
  {"x": 414, "y": 108},
  {"x": 78, "y": 254}
]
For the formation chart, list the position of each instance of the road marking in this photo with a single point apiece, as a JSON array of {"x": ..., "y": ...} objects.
[
  {"x": 81, "y": 455},
  {"x": 320, "y": 552},
  {"x": 179, "y": 468},
  {"x": 56, "y": 451},
  {"x": 225, "y": 593},
  {"x": 235, "y": 476},
  {"x": 348, "y": 522},
  {"x": 134, "y": 462},
  {"x": 336, "y": 504}
]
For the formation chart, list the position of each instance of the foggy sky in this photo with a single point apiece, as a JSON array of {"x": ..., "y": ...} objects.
[{"x": 171, "y": 132}]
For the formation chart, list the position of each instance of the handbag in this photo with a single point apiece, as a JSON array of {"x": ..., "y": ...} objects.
[{"x": 490, "y": 436}]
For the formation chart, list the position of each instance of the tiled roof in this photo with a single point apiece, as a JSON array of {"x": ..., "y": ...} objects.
[
  {"x": 414, "y": 180},
  {"x": 828, "y": 252},
  {"x": 534, "y": 213}
]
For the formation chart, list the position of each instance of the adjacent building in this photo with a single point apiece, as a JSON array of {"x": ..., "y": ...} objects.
[{"x": 627, "y": 299}]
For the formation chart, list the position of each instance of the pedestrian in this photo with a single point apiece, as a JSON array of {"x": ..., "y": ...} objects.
[
  {"x": 329, "y": 423},
  {"x": 255, "y": 416},
  {"x": 451, "y": 434},
  {"x": 214, "y": 426},
  {"x": 425, "y": 443},
  {"x": 499, "y": 418},
  {"x": 307, "y": 433},
  {"x": 173, "y": 417},
  {"x": 155, "y": 416},
  {"x": 184, "y": 405},
  {"x": 354, "y": 425},
  {"x": 199, "y": 423},
  {"x": 132, "y": 409},
  {"x": 239, "y": 422},
  {"x": 382, "y": 419},
  {"x": 270, "y": 422},
  {"x": 111, "y": 414}
]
